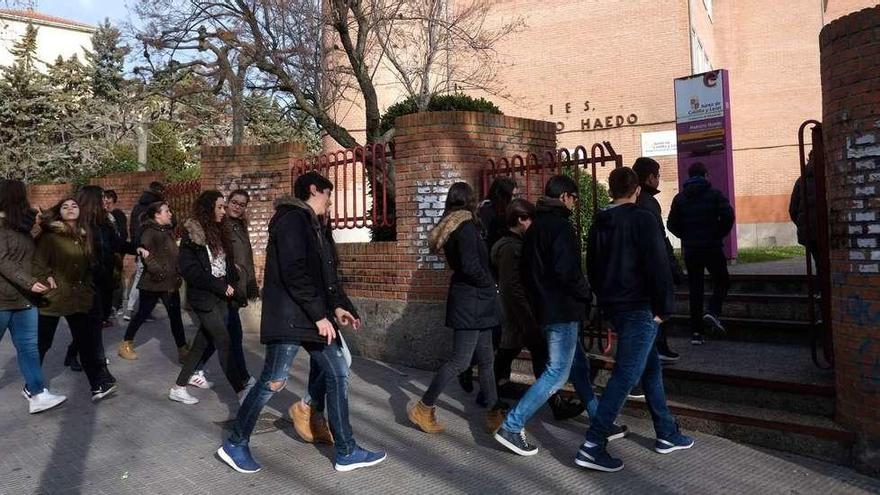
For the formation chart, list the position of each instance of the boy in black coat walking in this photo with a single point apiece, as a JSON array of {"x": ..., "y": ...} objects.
[
  {"x": 702, "y": 217},
  {"x": 303, "y": 303}
]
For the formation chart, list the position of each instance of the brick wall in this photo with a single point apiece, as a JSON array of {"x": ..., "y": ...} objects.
[
  {"x": 850, "y": 50},
  {"x": 46, "y": 196},
  {"x": 128, "y": 186}
]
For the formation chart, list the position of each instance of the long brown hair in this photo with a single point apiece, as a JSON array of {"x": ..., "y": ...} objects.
[
  {"x": 203, "y": 213},
  {"x": 14, "y": 203},
  {"x": 78, "y": 232},
  {"x": 91, "y": 212}
]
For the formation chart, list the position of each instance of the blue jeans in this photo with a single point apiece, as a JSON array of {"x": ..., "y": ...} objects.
[
  {"x": 279, "y": 358},
  {"x": 636, "y": 358},
  {"x": 22, "y": 324},
  {"x": 566, "y": 359}
]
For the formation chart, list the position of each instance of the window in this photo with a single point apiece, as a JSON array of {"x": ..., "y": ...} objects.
[{"x": 699, "y": 59}]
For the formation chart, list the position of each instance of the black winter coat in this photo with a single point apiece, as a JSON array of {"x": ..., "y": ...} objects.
[
  {"x": 627, "y": 261},
  {"x": 300, "y": 281},
  {"x": 803, "y": 213},
  {"x": 647, "y": 201},
  {"x": 552, "y": 266},
  {"x": 472, "y": 301},
  {"x": 203, "y": 290},
  {"x": 106, "y": 244},
  {"x": 700, "y": 215},
  {"x": 135, "y": 224}
]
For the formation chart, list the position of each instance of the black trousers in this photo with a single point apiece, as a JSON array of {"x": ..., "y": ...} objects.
[
  {"x": 212, "y": 329},
  {"x": 467, "y": 344},
  {"x": 148, "y": 301},
  {"x": 697, "y": 261},
  {"x": 85, "y": 339}
]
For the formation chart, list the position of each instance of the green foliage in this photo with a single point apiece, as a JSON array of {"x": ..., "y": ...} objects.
[
  {"x": 768, "y": 253},
  {"x": 585, "y": 204},
  {"x": 165, "y": 152},
  {"x": 106, "y": 61},
  {"x": 438, "y": 103},
  {"x": 267, "y": 122}
]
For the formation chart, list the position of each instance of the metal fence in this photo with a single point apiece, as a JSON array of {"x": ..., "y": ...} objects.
[{"x": 362, "y": 188}]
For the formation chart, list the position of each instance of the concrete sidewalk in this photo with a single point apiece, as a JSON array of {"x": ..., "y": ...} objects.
[{"x": 140, "y": 442}]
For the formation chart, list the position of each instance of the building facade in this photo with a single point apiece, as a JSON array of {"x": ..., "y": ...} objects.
[
  {"x": 55, "y": 36},
  {"x": 604, "y": 70}
]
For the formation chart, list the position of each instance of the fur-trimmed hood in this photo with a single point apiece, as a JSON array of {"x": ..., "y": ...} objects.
[
  {"x": 61, "y": 228},
  {"x": 196, "y": 231},
  {"x": 440, "y": 234},
  {"x": 152, "y": 224}
]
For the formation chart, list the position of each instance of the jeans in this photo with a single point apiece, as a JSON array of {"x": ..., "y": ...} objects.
[
  {"x": 279, "y": 358},
  {"x": 566, "y": 360},
  {"x": 212, "y": 330},
  {"x": 22, "y": 324},
  {"x": 84, "y": 341},
  {"x": 149, "y": 299},
  {"x": 467, "y": 344},
  {"x": 236, "y": 335},
  {"x": 636, "y": 358},
  {"x": 712, "y": 260},
  {"x": 134, "y": 293}
]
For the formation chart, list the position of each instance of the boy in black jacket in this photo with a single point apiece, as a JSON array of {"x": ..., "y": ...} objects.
[
  {"x": 702, "y": 217},
  {"x": 303, "y": 303},
  {"x": 629, "y": 271}
]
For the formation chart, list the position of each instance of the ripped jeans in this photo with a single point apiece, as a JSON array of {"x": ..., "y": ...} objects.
[{"x": 279, "y": 357}]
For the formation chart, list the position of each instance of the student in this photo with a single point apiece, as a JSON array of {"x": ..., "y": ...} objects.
[
  {"x": 155, "y": 192},
  {"x": 303, "y": 302},
  {"x": 628, "y": 266}
]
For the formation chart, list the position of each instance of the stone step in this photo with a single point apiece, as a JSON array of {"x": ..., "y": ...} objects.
[
  {"x": 794, "y": 307},
  {"x": 762, "y": 284},
  {"x": 740, "y": 329}
]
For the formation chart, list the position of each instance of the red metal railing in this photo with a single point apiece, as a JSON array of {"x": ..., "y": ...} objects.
[
  {"x": 361, "y": 184},
  {"x": 180, "y": 197}
]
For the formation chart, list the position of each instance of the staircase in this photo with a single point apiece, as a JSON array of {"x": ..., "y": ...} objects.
[{"x": 756, "y": 384}]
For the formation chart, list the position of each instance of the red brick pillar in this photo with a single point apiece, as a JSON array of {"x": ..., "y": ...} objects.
[
  {"x": 436, "y": 149},
  {"x": 850, "y": 57}
]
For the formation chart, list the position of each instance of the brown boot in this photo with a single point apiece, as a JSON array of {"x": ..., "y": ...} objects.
[
  {"x": 126, "y": 350},
  {"x": 300, "y": 416},
  {"x": 494, "y": 418},
  {"x": 182, "y": 353},
  {"x": 320, "y": 429},
  {"x": 425, "y": 417}
]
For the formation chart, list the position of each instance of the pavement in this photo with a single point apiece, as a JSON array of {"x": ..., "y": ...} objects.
[{"x": 139, "y": 442}]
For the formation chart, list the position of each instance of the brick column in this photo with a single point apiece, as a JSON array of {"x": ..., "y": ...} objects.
[{"x": 850, "y": 57}]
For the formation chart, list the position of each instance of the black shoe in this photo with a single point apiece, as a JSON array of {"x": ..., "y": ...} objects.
[
  {"x": 466, "y": 380},
  {"x": 481, "y": 399},
  {"x": 667, "y": 356},
  {"x": 617, "y": 431},
  {"x": 71, "y": 360},
  {"x": 516, "y": 442},
  {"x": 636, "y": 393},
  {"x": 565, "y": 408},
  {"x": 697, "y": 339},
  {"x": 103, "y": 391},
  {"x": 508, "y": 390}
]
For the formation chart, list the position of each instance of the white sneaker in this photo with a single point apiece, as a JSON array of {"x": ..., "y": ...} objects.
[
  {"x": 180, "y": 394},
  {"x": 246, "y": 390},
  {"x": 42, "y": 401},
  {"x": 198, "y": 380},
  {"x": 126, "y": 315}
]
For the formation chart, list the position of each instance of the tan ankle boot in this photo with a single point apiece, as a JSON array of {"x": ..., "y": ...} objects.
[
  {"x": 300, "y": 416},
  {"x": 425, "y": 417},
  {"x": 494, "y": 418},
  {"x": 320, "y": 429},
  {"x": 126, "y": 350}
]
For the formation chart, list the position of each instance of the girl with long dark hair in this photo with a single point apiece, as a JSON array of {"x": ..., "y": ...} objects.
[
  {"x": 472, "y": 308},
  {"x": 207, "y": 266},
  {"x": 18, "y": 290},
  {"x": 160, "y": 279},
  {"x": 63, "y": 259}
]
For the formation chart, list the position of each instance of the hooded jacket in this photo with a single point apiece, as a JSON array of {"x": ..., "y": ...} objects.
[
  {"x": 519, "y": 320},
  {"x": 700, "y": 215},
  {"x": 301, "y": 285},
  {"x": 472, "y": 300},
  {"x": 61, "y": 254},
  {"x": 16, "y": 256},
  {"x": 161, "y": 272},
  {"x": 204, "y": 291},
  {"x": 647, "y": 201},
  {"x": 557, "y": 288},
  {"x": 627, "y": 261},
  {"x": 147, "y": 198}
]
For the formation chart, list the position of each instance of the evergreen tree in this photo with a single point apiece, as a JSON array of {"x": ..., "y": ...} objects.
[{"x": 106, "y": 61}]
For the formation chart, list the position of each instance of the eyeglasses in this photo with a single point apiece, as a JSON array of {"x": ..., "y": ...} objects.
[{"x": 236, "y": 203}]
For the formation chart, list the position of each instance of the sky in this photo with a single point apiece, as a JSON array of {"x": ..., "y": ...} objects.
[{"x": 88, "y": 11}]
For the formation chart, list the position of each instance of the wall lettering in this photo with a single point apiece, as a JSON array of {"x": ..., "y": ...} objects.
[{"x": 590, "y": 123}]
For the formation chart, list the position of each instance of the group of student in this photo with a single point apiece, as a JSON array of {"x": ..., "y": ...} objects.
[{"x": 516, "y": 282}]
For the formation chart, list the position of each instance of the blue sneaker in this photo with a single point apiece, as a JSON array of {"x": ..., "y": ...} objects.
[
  {"x": 238, "y": 457},
  {"x": 675, "y": 442},
  {"x": 359, "y": 458},
  {"x": 597, "y": 458}
]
